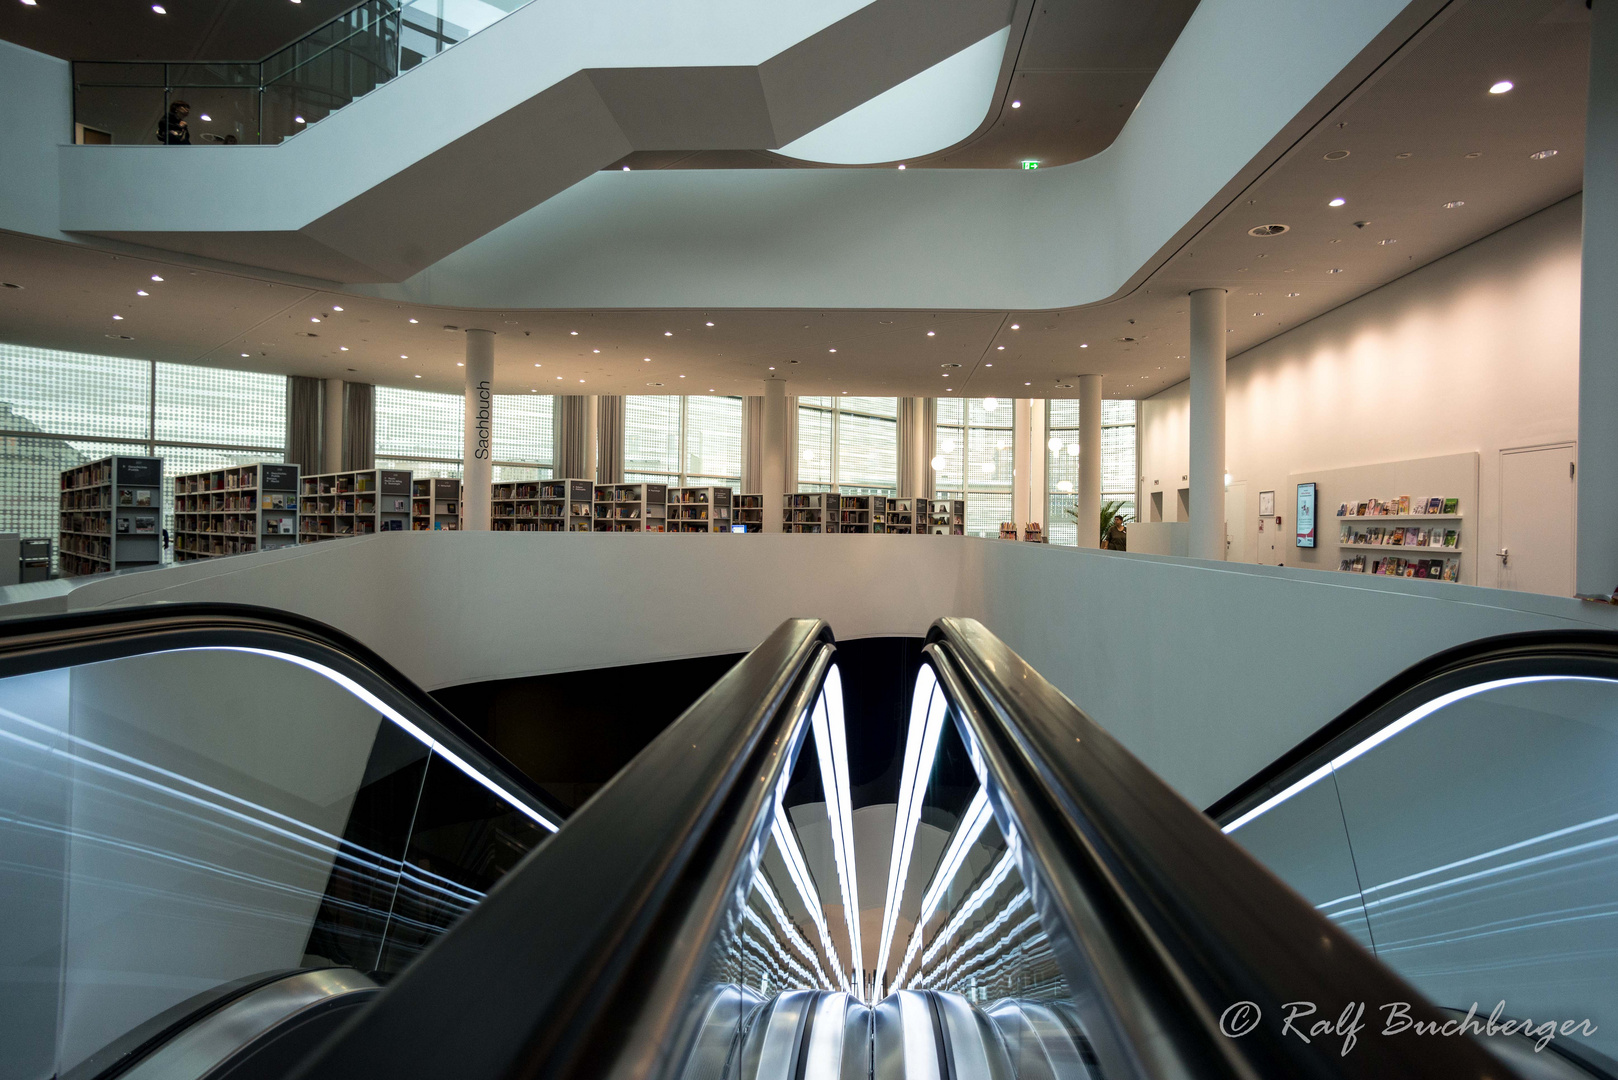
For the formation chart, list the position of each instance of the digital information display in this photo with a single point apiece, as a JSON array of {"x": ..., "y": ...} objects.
[{"x": 1306, "y": 515}]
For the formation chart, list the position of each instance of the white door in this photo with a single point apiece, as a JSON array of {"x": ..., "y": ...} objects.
[
  {"x": 1238, "y": 543},
  {"x": 1537, "y": 513}
]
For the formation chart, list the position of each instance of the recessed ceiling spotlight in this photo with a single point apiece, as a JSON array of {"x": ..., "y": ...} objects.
[
  {"x": 418, "y": 376},
  {"x": 573, "y": 333},
  {"x": 831, "y": 350},
  {"x": 1000, "y": 348},
  {"x": 581, "y": 380},
  {"x": 402, "y": 356},
  {"x": 159, "y": 9},
  {"x": 1339, "y": 201},
  {"x": 901, "y": 168},
  {"x": 1454, "y": 205},
  {"x": 142, "y": 292},
  {"x": 30, "y": 3},
  {"x": 314, "y": 319},
  {"x": 558, "y": 378},
  {"x": 946, "y": 374},
  {"x": 539, "y": 365},
  {"x": 929, "y": 333},
  {"x": 118, "y": 318},
  {"x": 1502, "y": 87},
  {"x": 595, "y": 350},
  {"x": 710, "y": 324},
  {"x": 157, "y": 277},
  {"x": 648, "y": 359},
  {"x": 988, "y": 365},
  {"x": 668, "y": 333},
  {"x": 336, "y": 307},
  {"x": 244, "y": 354},
  {"x": 412, "y": 320},
  {"x": 1016, "y": 326},
  {"x": 459, "y": 364},
  {"x": 1016, "y": 104},
  {"x": 342, "y": 348},
  {"x": 1084, "y": 344},
  {"x": 682, "y": 376},
  {"x": 205, "y": 118},
  {"x": 297, "y": 120},
  {"x": 1541, "y": 155}
]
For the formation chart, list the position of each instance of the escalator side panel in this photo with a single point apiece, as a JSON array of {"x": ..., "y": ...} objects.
[
  {"x": 720, "y": 1031},
  {"x": 1039, "y": 1045},
  {"x": 975, "y": 1048},
  {"x": 772, "y": 1046},
  {"x": 905, "y": 1042},
  {"x": 824, "y": 1041},
  {"x": 856, "y": 1063}
]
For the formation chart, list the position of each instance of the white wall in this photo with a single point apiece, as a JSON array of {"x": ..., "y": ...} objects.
[
  {"x": 1478, "y": 351},
  {"x": 38, "y": 116},
  {"x": 1209, "y": 671}
]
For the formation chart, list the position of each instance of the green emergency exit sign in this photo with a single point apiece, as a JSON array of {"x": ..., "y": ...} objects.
[{"x": 1030, "y": 164}]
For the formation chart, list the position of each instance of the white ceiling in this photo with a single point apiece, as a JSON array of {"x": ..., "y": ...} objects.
[{"x": 1422, "y": 132}]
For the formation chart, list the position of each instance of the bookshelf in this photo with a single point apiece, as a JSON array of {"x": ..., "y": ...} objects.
[
  {"x": 353, "y": 503},
  {"x": 630, "y": 507},
  {"x": 1401, "y": 544},
  {"x": 862, "y": 513},
  {"x": 514, "y": 507},
  {"x": 942, "y": 517},
  {"x": 435, "y": 504},
  {"x": 566, "y": 505},
  {"x": 699, "y": 509},
  {"x": 109, "y": 512},
  {"x": 902, "y": 516},
  {"x": 748, "y": 512},
  {"x": 814, "y": 512},
  {"x": 235, "y": 511}
]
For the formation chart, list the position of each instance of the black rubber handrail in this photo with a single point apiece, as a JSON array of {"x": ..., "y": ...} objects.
[
  {"x": 584, "y": 961},
  {"x": 1164, "y": 926},
  {"x": 1565, "y": 652},
  {"x": 47, "y": 642}
]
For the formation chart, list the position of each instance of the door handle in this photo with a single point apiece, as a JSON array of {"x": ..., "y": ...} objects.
[{"x": 1504, "y": 555}]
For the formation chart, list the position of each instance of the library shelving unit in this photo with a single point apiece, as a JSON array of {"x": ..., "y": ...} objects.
[
  {"x": 699, "y": 509},
  {"x": 1403, "y": 545},
  {"x": 630, "y": 507},
  {"x": 353, "y": 503},
  {"x": 566, "y": 505},
  {"x": 514, "y": 506},
  {"x": 748, "y": 512},
  {"x": 902, "y": 516},
  {"x": 435, "y": 504},
  {"x": 109, "y": 515},
  {"x": 812, "y": 512},
  {"x": 862, "y": 513},
  {"x": 943, "y": 517},
  {"x": 235, "y": 511}
]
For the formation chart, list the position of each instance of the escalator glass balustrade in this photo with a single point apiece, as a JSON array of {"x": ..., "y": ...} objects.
[{"x": 181, "y": 828}]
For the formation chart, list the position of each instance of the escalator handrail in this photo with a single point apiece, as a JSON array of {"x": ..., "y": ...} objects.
[
  {"x": 1571, "y": 652},
  {"x": 582, "y": 962},
  {"x": 47, "y": 642},
  {"x": 1147, "y": 902}
]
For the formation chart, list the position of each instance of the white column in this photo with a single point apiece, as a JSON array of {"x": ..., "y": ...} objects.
[
  {"x": 477, "y": 468},
  {"x": 331, "y": 423},
  {"x": 1597, "y": 551},
  {"x": 1088, "y": 504},
  {"x": 1028, "y": 452},
  {"x": 774, "y": 473},
  {"x": 912, "y": 448},
  {"x": 1207, "y": 529}
]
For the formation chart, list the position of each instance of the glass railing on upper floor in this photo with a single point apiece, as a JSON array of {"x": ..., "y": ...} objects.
[{"x": 226, "y": 103}]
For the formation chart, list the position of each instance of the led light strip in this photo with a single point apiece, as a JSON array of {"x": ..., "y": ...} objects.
[
  {"x": 1386, "y": 733},
  {"x": 393, "y": 714},
  {"x": 977, "y": 816},
  {"x": 798, "y": 871},
  {"x": 788, "y": 931},
  {"x": 831, "y": 746},
  {"x": 927, "y": 711}
]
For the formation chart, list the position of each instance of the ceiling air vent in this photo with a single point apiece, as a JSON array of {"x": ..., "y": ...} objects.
[{"x": 1268, "y": 230}]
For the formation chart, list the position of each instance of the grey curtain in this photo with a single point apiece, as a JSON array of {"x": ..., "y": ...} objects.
[
  {"x": 303, "y": 422},
  {"x": 929, "y": 447},
  {"x": 610, "y": 439},
  {"x": 567, "y": 430},
  {"x": 752, "y": 444},
  {"x": 359, "y": 426}
]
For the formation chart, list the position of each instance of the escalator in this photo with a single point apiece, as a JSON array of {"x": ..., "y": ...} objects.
[{"x": 1035, "y": 904}]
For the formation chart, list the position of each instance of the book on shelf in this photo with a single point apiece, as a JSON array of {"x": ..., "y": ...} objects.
[
  {"x": 1451, "y": 506},
  {"x": 1404, "y": 504},
  {"x": 1435, "y": 505}
]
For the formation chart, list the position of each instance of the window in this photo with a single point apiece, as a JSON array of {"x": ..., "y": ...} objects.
[
  {"x": 61, "y": 409},
  {"x": 848, "y": 444},
  {"x": 422, "y": 431},
  {"x": 683, "y": 441},
  {"x": 973, "y": 460},
  {"x": 1062, "y": 465}
]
